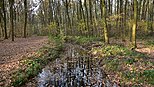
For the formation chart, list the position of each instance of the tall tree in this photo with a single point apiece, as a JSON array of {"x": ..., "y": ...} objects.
[
  {"x": 50, "y": 11},
  {"x": 11, "y": 2},
  {"x": 1, "y": 16},
  {"x": 91, "y": 16},
  {"x": 86, "y": 12},
  {"x": 134, "y": 25},
  {"x": 4, "y": 19},
  {"x": 105, "y": 23},
  {"x": 25, "y": 24},
  {"x": 152, "y": 18}
]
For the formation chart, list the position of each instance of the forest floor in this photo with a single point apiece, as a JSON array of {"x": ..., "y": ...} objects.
[
  {"x": 11, "y": 53},
  {"x": 123, "y": 66},
  {"x": 146, "y": 49},
  {"x": 144, "y": 46}
]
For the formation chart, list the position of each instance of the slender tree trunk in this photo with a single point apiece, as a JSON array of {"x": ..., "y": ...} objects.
[
  {"x": 11, "y": 2},
  {"x": 1, "y": 31},
  {"x": 87, "y": 17},
  {"x": 121, "y": 21},
  {"x": 125, "y": 17},
  {"x": 91, "y": 17},
  {"x": 67, "y": 12},
  {"x": 134, "y": 25},
  {"x": 143, "y": 10},
  {"x": 4, "y": 19},
  {"x": 82, "y": 16},
  {"x": 148, "y": 15},
  {"x": 50, "y": 11},
  {"x": 25, "y": 24},
  {"x": 95, "y": 19},
  {"x": 117, "y": 21},
  {"x": 152, "y": 17},
  {"x": 105, "y": 23},
  {"x": 139, "y": 9},
  {"x": 1, "y": 17}
]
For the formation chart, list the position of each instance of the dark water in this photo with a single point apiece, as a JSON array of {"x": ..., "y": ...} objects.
[{"x": 76, "y": 69}]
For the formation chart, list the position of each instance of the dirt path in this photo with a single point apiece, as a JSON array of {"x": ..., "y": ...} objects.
[
  {"x": 142, "y": 48},
  {"x": 12, "y": 52}
]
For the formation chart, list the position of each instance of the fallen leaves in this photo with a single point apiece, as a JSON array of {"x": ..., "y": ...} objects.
[{"x": 11, "y": 53}]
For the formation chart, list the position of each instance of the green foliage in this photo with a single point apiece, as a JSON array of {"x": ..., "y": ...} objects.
[
  {"x": 81, "y": 39},
  {"x": 20, "y": 79},
  {"x": 113, "y": 50},
  {"x": 130, "y": 75},
  {"x": 130, "y": 61},
  {"x": 148, "y": 63},
  {"x": 117, "y": 50},
  {"x": 149, "y": 76},
  {"x": 81, "y": 25},
  {"x": 52, "y": 28},
  {"x": 33, "y": 68},
  {"x": 112, "y": 65},
  {"x": 127, "y": 64},
  {"x": 150, "y": 43},
  {"x": 114, "y": 17}
]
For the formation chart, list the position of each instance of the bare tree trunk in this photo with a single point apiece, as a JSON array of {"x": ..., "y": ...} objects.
[
  {"x": 87, "y": 17},
  {"x": 105, "y": 23},
  {"x": 50, "y": 11},
  {"x": 134, "y": 25},
  {"x": 11, "y": 2},
  {"x": 25, "y": 24},
  {"x": 4, "y": 19},
  {"x": 91, "y": 16},
  {"x": 125, "y": 17}
]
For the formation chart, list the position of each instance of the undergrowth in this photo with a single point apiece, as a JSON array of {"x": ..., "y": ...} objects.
[
  {"x": 126, "y": 64},
  {"x": 81, "y": 40},
  {"x": 32, "y": 66},
  {"x": 116, "y": 50},
  {"x": 150, "y": 44}
]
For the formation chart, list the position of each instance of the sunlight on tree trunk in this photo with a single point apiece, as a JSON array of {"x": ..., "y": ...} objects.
[
  {"x": 134, "y": 25},
  {"x": 105, "y": 23}
]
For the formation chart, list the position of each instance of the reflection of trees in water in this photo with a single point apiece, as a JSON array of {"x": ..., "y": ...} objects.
[{"x": 77, "y": 70}]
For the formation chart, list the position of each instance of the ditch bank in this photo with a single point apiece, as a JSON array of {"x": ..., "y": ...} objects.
[{"x": 76, "y": 68}]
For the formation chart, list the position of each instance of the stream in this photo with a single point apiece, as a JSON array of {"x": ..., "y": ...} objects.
[{"x": 75, "y": 69}]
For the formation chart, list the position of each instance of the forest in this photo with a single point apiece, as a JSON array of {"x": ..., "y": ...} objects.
[{"x": 76, "y": 43}]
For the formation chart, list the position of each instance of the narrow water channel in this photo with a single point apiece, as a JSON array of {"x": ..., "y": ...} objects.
[{"x": 75, "y": 69}]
